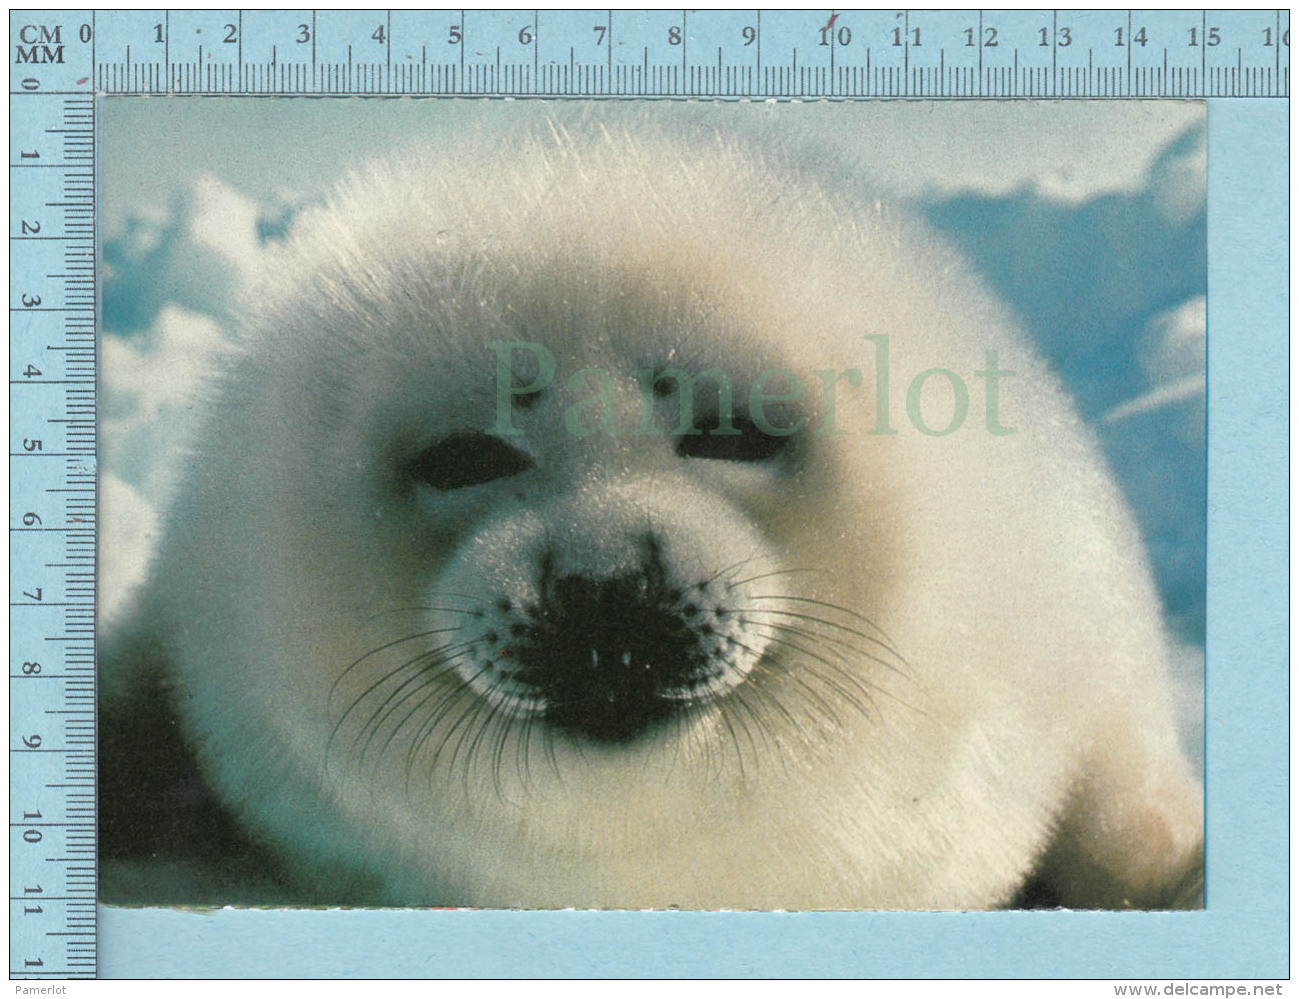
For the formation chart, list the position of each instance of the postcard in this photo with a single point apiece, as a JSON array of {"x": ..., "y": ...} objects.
[{"x": 653, "y": 506}]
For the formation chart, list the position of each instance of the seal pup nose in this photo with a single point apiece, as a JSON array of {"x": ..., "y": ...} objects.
[{"x": 611, "y": 656}]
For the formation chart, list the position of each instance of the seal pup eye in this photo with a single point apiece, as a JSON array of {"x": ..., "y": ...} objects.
[
  {"x": 468, "y": 459},
  {"x": 747, "y": 443}
]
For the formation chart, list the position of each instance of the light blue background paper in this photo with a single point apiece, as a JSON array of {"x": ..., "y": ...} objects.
[{"x": 1243, "y": 931}]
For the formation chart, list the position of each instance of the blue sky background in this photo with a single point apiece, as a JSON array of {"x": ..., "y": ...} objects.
[{"x": 1087, "y": 217}]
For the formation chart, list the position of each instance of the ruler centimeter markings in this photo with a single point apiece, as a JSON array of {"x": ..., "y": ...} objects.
[
  {"x": 810, "y": 54},
  {"x": 52, "y": 499},
  {"x": 61, "y": 59}
]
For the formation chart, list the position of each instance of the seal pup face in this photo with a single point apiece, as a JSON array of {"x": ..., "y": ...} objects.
[
  {"x": 596, "y": 627},
  {"x": 617, "y": 564},
  {"x": 613, "y": 578}
]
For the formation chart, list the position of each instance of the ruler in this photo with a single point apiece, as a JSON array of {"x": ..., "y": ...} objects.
[
  {"x": 944, "y": 54},
  {"x": 59, "y": 62},
  {"x": 52, "y": 446},
  {"x": 52, "y": 440}
]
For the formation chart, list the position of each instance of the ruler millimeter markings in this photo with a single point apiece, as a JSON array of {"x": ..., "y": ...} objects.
[
  {"x": 52, "y": 449},
  {"x": 756, "y": 53}
]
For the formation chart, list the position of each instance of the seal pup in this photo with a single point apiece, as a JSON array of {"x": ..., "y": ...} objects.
[{"x": 557, "y": 536}]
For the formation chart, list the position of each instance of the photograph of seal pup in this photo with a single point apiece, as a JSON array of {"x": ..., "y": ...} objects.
[{"x": 615, "y": 521}]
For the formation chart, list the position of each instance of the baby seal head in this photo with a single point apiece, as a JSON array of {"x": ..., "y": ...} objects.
[{"x": 605, "y": 589}]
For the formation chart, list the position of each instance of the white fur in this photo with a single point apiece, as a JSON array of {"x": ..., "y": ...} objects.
[{"x": 991, "y": 699}]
